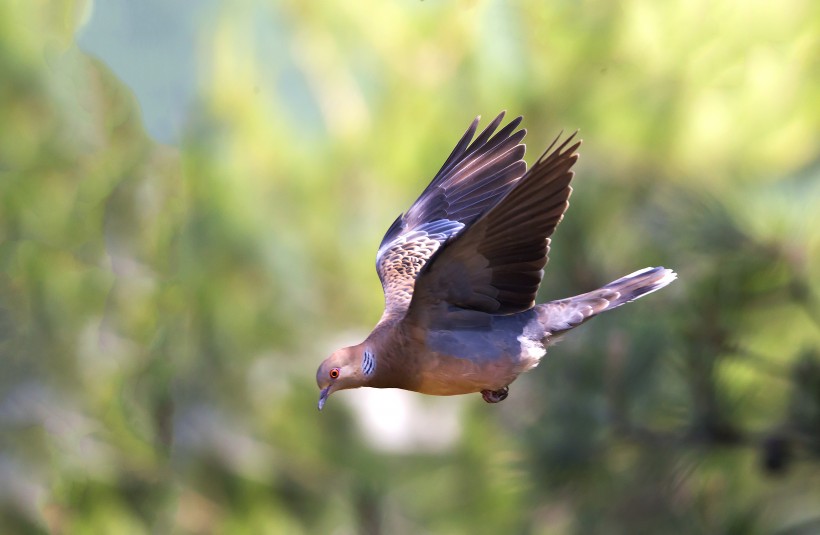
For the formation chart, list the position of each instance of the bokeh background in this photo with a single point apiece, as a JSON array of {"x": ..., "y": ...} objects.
[{"x": 191, "y": 196}]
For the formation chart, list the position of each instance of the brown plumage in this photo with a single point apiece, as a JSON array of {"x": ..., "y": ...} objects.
[{"x": 461, "y": 269}]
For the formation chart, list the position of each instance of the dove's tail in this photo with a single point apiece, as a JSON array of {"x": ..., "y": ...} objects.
[{"x": 562, "y": 315}]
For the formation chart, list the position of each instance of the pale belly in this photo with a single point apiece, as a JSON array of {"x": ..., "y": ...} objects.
[
  {"x": 462, "y": 362},
  {"x": 448, "y": 376}
]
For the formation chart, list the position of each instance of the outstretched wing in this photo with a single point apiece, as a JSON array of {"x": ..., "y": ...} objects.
[
  {"x": 475, "y": 176},
  {"x": 496, "y": 265}
]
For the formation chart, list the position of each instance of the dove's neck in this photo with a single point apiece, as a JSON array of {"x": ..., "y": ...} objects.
[{"x": 388, "y": 344}]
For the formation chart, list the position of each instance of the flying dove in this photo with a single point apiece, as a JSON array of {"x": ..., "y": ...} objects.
[{"x": 460, "y": 270}]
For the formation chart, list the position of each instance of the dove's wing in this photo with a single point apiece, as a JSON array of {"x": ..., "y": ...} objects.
[
  {"x": 474, "y": 177},
  {"x": 496, "y": 265}
]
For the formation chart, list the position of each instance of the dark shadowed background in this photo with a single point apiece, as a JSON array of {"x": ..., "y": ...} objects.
[{"x": 191, "y": 196}]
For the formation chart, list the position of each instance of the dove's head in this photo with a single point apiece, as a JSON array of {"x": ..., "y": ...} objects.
[{"x": 349, "y": 367}]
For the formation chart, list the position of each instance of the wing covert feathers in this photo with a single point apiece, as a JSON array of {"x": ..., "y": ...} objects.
[{"x": 473, "y": 178}]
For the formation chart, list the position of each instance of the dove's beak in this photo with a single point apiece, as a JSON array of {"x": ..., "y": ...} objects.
[{"x": 323, "y": 397}]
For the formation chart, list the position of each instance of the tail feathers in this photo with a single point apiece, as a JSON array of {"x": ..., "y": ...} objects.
[{"x": 562, "y": 315}]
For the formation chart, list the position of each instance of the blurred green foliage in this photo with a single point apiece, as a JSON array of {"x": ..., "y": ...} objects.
[{"x": 163, "y": 307}]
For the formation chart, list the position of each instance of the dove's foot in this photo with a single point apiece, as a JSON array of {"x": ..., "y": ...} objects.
[{"x": 494, "y": 396}]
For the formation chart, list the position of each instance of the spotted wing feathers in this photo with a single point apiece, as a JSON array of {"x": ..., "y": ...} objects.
[
  {"x": 401, "y": 260},
  {"x": 473, "y": 178}
]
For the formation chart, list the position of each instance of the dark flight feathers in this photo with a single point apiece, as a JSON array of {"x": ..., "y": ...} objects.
[
  {"x": 496, "y": 265},
  {"x": 478, "y": 236}
]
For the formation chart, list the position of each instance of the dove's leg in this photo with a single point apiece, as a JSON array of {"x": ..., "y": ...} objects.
[{"x": 494, "y": 396}]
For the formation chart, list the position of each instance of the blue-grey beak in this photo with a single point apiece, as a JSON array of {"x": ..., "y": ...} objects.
[{"x": 323, "y": 397}]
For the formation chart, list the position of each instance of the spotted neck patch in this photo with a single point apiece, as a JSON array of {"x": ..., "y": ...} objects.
[{"x": 368, "y": 362}]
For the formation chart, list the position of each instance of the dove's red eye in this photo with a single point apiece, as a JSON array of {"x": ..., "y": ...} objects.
[{"x": 334, "y": 373}]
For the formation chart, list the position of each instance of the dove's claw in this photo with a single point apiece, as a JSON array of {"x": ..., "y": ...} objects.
[{"x": 494, "y": 396}]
